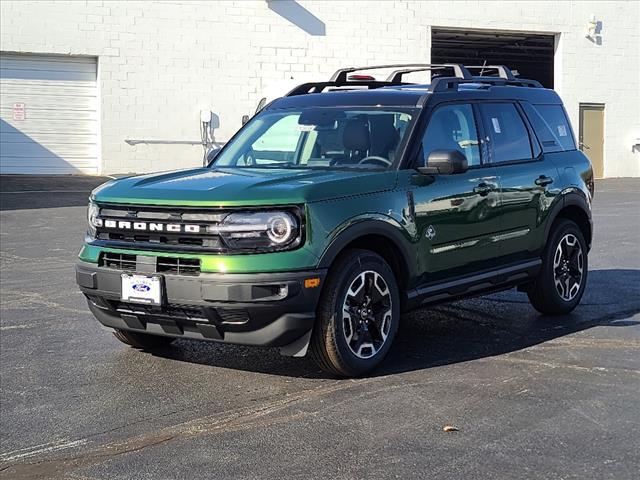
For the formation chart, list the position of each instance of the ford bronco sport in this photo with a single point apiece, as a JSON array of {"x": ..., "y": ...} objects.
[{"x": 340, "y": 206}]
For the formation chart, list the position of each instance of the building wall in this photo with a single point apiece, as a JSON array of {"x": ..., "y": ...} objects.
[{"x": 160, "y": 63}]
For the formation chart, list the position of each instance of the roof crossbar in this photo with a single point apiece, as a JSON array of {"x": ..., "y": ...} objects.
[
  {"x": 503, "y": 71},
  {"x": 459, "y": 70},
  {"x": 396, "y": 75}
]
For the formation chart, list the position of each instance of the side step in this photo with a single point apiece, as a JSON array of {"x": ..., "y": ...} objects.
[{"x": 466, "y": 286}]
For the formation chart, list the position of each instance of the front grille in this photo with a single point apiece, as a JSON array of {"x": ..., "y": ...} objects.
[
  {"x": 182, "y": 312},
  {"x": 160, "y": 228},
  {"x": 192, "y": 313},
  {"x": 166, "y": 265},
  {"x": 118, "y": 261},
  {"x": 178, "y": 266}
]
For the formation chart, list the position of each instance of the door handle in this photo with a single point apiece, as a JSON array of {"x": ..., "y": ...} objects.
[
  {"x": 483, "y": 189},
  {"x": 543, "y": 181}
]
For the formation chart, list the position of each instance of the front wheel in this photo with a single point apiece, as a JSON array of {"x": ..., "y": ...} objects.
[
  {"x": 562, "y": 279},
  {"x": 143, "y": 341},
  {"x": 358, "y": 315}
]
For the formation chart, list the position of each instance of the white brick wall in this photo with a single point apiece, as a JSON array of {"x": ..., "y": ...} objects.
[{"x": 161, "y": 62}]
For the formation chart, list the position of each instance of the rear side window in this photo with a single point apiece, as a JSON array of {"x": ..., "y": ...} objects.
[
  {"x": 509, "y": 137},
  {"x": 549, "y": 140},
  {"x": 558, "y": 123}
]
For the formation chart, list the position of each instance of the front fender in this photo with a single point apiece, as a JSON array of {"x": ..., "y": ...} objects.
[{"x": 379, "y": 225}]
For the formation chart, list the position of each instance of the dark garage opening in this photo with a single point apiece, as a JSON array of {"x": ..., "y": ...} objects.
[{"x": 530, "y": 54}]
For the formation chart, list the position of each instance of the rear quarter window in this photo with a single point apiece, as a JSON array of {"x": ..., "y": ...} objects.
[
  {"x": 556, "y": 119},
  {"x": 549, "y": 141}
]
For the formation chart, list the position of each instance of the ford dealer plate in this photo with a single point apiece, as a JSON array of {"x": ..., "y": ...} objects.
[{"x": 141, "y": 289}]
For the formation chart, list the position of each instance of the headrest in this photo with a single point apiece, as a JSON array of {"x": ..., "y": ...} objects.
[
  {"x": 356, "y": 135},
  {"x": 384, "y": 136}
]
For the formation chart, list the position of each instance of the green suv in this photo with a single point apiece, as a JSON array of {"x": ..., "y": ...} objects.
[{"x": 342, "y": 205}]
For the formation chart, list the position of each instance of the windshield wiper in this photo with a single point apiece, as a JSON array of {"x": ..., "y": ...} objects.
[
  {"x": 296, "y": 166},
  {"x": 278, "y": 165}
]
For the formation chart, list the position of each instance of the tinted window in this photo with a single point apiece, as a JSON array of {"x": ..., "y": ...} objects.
[
  {"x": 453, "y": 127},
  {"x": 279, "y": 142},
  {"x": 318, "y": 137},
  {"x": 549, "y": 140},
  {"x": 508, "y": 135},
  {"x": 557, "y": 121}
]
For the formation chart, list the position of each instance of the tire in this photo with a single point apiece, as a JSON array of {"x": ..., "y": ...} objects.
[
  {"x": 560, "y": 284},
  {"x": 143, "y": 341},
  {"x": 346, "y": 341}
]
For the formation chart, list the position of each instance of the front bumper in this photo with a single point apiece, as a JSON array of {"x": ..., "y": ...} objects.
[{"x": 235, "y": 308}]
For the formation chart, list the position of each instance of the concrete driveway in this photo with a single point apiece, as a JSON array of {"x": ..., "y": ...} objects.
[{"x": 531, "y": 397}]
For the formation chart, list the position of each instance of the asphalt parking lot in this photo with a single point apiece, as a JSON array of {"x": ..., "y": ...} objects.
[{"x": 531, "y": 397}]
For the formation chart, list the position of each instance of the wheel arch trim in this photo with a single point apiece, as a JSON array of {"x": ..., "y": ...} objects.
[
  {"x": 379, "y": 227},
  {"x": 571, "y": 198}
]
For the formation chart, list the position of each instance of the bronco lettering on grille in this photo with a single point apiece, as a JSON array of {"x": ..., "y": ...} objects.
[{"x": 149, "y": 227}]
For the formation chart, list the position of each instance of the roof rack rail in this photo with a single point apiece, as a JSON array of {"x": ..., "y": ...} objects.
[
  {"x": 317, "y": 87},
  {"x": 459, "y": 70},
  {"x": 503, "y": 71},
  {"x": 440, "y": 84},
  {"x": 443, "y": 84},
  {"x": 340, "y": 77}
]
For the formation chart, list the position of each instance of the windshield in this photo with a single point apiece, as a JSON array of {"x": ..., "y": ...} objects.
[{"x": 335, "y": 137}]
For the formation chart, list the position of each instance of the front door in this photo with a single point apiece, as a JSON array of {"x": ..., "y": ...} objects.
[
  {"x": 592, "y": 136},
  {"x": 456, "y": 215}
]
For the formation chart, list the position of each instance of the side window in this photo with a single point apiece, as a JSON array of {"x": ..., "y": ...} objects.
[
  {"x": 548, "y": 139},
  {"x": 507, "y": 132},
  {"x": 557, "y": 121},
  {"x": 452, "y": 127}
]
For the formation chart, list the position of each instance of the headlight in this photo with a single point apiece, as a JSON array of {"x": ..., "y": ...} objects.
[
  {"x": 92, "y": 219},
  {"x": 276, "y": 230}
]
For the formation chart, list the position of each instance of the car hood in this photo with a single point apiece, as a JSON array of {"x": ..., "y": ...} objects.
[{"x": 242, "y": 186}]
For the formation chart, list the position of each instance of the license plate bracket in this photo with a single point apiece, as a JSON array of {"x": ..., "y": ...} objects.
[{"x": 145, "y": 289}]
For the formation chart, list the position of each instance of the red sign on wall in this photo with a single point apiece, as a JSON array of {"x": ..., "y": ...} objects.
[{"x": 19, "y": 111}]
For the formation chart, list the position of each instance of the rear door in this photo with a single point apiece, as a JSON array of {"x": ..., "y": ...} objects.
[
  {"x": 456, "y": 215},
  {"x": 528, "y": 181}
]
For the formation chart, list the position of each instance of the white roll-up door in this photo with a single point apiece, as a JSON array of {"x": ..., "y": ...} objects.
[{"x": 49, "y": 114}]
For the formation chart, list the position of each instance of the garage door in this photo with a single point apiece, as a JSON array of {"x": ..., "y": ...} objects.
[
  {"x": 49, "y": 114},
  {"x": 530, "y": 54}
]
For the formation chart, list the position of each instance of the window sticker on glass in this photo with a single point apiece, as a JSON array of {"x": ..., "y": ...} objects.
[
  {"x": 306, "y": 128},
  {"x": 496, "y": 125},
  {"x": 562, "y": 130}
]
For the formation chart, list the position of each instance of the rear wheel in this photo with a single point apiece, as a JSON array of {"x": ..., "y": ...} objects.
[
  {"x": 143, "y": 341},
  {"x": 563, "y": 276},
  {"x": 357, "y": 316}
]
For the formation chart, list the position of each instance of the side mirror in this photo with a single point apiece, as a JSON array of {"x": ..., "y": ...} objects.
[
  {"x": 261, "y": 104},
  {"x": 445, "y": 162},
  {"x": 212, "y": 153},
  {"x": 245, "y": 119}
]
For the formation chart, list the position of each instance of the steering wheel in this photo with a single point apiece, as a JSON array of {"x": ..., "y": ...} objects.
[
  {"x": 375, "y": 159},
  {"x": 249, "y": 158}
]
